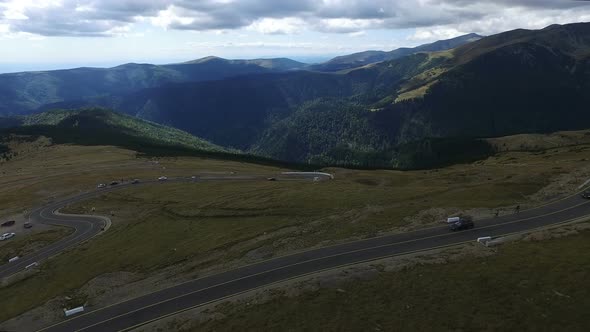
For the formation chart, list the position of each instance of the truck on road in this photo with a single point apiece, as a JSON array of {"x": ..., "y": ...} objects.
[{"x": 460, "y": 223}]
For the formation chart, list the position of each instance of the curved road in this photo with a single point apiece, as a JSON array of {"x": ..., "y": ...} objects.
[
  {"x": 86, "y": 227},
  {"x": 154, "y": 306}
]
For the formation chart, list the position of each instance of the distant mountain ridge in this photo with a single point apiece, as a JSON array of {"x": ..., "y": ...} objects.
[
  {"x": 279, "y": 64},
  {"x": 515, "y": 82},
  {"x": 364, "y": 58},
  {"x": 418, "y": 110},
  {"x": 232, "y": 112},
  {"x": 25, "y": 92}
]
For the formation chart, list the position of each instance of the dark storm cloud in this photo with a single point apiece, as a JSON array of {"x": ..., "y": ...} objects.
[
  {"x": 102, "y": 17},
  {"x": 379, "y": 13},
  {"x": 218, "y": 15},
  {"x": 252, "y": 8},
  {"x": 124, "y": 10}
]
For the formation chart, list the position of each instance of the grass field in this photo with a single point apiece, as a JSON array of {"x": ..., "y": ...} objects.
[
  {"x": 41, "y": 172},
  {"x": 540, "y": 142},
  {"x": 199, "y": 225},
  {"x": 527, "y": 286},
  {"x": 20, "y": 246}
]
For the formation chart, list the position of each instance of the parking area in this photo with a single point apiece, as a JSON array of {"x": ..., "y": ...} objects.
[{"x": 21, "y": 228}]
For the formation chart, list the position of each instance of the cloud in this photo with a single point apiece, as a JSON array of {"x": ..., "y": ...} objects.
[
  {"x": 523, "y": 14},
  {"x": 431, "y": 17},
  {"x": 278, "y": 26},
  {"x": 357, "y": 34},
  {"x": 545, "y": 4}
]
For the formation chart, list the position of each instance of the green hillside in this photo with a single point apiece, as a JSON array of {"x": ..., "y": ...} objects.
[
  {"x": 516, "y": 82},
  {"x": 368, "y": 57},
  {"x": 22, "y": 93},
  {"x": 104, "y": 127},
  {"x": 237, "y": 112},
  {"x": 98, "y": 127},
  {"x": 421, "y": 110}
]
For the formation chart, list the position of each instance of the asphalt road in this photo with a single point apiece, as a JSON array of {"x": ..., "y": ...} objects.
[
  {"x": 86, "y": 227},
  {"x": 144, "y": 309}
]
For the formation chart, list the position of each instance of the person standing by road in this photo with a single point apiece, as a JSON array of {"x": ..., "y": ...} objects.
[{"x": 517, "y": 209}]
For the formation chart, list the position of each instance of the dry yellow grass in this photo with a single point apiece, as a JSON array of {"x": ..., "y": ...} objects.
[
  {"x": 41, "y": 172},
  {"x": 415, "y": 93},
  {"x": 419, "y": 84},
  {"x": 539, "y": 142}
]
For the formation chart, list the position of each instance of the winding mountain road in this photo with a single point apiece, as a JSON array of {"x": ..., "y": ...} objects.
[
  {"x": 85, "y": 226},
  {"x": 142, "y": 310}
]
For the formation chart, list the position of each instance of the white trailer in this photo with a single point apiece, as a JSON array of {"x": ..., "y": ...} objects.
[{"x": 452, "y": 220}]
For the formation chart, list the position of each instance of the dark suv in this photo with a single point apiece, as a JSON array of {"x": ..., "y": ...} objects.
[
  {"x": 586, "y": 194},
  {"x": 461, "y": 225},
  {"x": 8, "y": 223}
]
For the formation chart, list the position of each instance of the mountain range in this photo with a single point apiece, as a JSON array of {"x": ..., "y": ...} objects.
[
  {"x": 411, "y": 110},
  {"x": 22, "y": 93},
  {"x": 364, "y": 58}
]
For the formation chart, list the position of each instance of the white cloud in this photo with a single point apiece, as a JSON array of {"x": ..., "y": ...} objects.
[
  {"x": 347, "y": 25},
  {"x": 357, "y": 34},
  {"x": 435, "y": 33},
  {"x": 432, "y": 18},
  {"x": 287, "y": 25},
  {"x": 170, "y": 16},
  {"x": 15, "y": 9},
  {"x": 504, "y": 20}
]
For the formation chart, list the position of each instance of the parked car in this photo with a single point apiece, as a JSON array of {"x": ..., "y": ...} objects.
[
  {"x": 114, "y": 183},
  {"x": 27, "y": 225},
  {"x": 8, "y": 223},
  {"x": 272, "y": 179},
  {"x": 6, "y": 236},
  {"x": 101, "y": 185},
  {"x": 135, "y": 181},
  {"x": 586, "y": 194},
  {"x": 162, "y": 178},
  {"x": 462, "y": 224}
]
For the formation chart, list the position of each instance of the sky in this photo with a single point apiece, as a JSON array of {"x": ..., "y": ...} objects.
[{"x": 50, "y": 34}]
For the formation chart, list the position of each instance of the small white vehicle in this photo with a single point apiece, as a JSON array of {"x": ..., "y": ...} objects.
[
  {"x": 100, "y": 186},
  {"x": 452, "y": 220},
  {"x": 162, "y": 178},
  {"x": 6, "y": 236}
]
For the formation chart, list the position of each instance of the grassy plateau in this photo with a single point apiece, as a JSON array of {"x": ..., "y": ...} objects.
[
  {"x": 220, "y": 224},
  {"x": 529, "y": 286}
]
